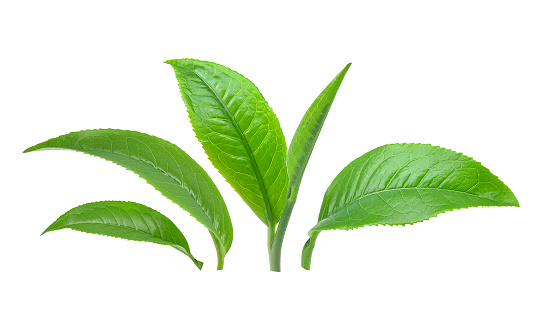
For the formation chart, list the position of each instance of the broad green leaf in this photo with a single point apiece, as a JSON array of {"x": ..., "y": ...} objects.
[
  {"x": 399, "y": 184},
  {"x": 308, "y": 130},
  {"x": 239, "y": 132},
  {"x": 163, "y": 165},
  {"x": 126, "y": 220}
]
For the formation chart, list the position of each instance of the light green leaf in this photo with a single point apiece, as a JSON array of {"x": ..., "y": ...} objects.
[
  {"x": 399, "y": 184},
  {"x": 163, "y": 165},
  {"x": 126, "y": 220},
  {"x": 308, "y": 130},
  {"x": 239, "y": 132}
]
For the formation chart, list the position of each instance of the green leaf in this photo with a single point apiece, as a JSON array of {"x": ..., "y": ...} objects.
[
  {"x": 399, "y": 184},
  {"x": 299, "y": 153},
  {"x": 126, "y": 220},
  {"x": 163, "y": 165},
  {"x": 308, "y": 130},
  {"x": 239, "y": 132}
]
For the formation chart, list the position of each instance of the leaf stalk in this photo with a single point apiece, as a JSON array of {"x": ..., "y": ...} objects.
[
  {"x": 308, "y": 250},
  {"x": 277, "y": 240},
  {"x": 220, "y": 252}
]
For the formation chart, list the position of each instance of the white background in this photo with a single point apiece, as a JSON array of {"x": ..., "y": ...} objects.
[{"x": 466, "y": 75}]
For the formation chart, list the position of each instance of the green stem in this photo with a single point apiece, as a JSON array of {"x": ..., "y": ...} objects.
[
  {"x": 308, "y": 250},
  {"x": 220, "y": 253},
  {"x": 277, "y": 242},
  {"x": 199, "y": 264},
  {"x": 271, "y": 233}
]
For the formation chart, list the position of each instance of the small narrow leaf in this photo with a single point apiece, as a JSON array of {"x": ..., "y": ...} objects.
[
  {"x": 126, "y": 220},
  {"x": 308, "y": 130},
  {"x": 163, "y": 165},
  {"x": 399, "y": 184},
  {"x": 239, "y": 132}
]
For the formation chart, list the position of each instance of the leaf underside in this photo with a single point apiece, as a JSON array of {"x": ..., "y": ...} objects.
[
  {"x": 399, "y": 184},
  {"x": 125, "y": 220},
  {"x": 163, "y": 165},
  {"x": 308, "y": 131},
  {"x": 239, "y": 132}
]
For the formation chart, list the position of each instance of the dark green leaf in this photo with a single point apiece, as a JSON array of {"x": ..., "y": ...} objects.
[
  {"x": 399, "y": 184},
  {"x": 308, "y": 130},
  {"x": 163, "y": 165},
  {"x": 239, "y": 132},
  {"x": 126, "y": 220}
]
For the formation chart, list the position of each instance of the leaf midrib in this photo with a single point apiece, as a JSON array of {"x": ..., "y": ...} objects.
[
  {"x": 298, "y": 169},
  {"x": 263, "y": 191},
  {"x": 119, "y": 226},
  {"x": 407, "y": 188}
]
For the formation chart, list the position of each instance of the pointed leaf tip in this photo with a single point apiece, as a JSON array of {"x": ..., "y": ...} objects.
[
  {"x": 30, "y": 149},
  {"x": 308, "y": 131}
]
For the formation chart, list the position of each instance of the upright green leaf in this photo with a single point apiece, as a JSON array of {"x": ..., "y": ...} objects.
[
  {"x": 163, "y": 165},
  {"x": 308, "y": 130},
  {"x": 399, "y": 184},
  {"x": 299, "y": 153},
  {"x": 238, "y": 131},
  {"x": 126, "y": 220}
]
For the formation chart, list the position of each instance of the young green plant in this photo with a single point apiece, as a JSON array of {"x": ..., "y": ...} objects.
[{"x": 395, "y": 184}]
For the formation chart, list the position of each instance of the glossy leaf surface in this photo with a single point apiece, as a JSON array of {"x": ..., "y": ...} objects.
[
  {"x": 239, "y": 132},
  {"x": 399, "y": 184},
  {"x": 308, "y": 131},
  {"x": 126, "y": 220},
  {"x": 163, "y": 165}
]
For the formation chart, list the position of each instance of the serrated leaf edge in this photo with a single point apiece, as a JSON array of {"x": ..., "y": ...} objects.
[
  {"x": 267, "y": 105},
  {"x": 442, "y": 212},
  {"x": 400, "y": 225},
  {"x": 179, "y": 248},
  {"x": 30, "y": 149}
]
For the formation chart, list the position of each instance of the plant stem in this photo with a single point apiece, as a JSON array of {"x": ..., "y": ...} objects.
[
  {"x": 220, "y": 262},
  {"x": 308, "y": 249},
  {"x": 220, "y": 254},
  {"x": 271, "y": 233},
  {"x": 277, "y": 241}
]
